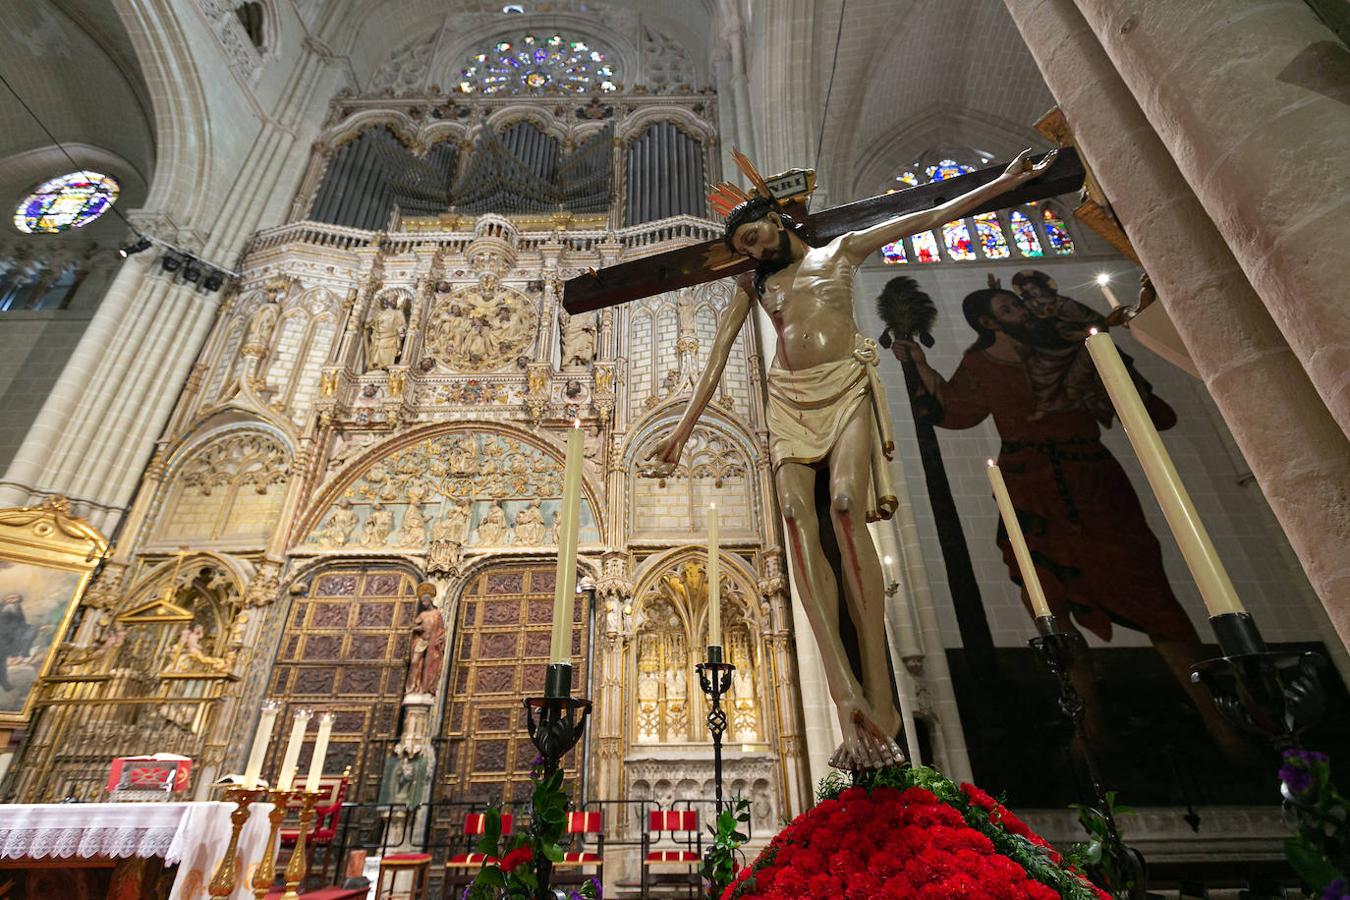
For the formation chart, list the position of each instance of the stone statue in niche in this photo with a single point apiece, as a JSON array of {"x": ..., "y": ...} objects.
[
  {"x": 379, "y": 524},
  {"x": 825, "y": 411},
  {"x": 492, "y": 530},
  {"x": 385, "y": 335},
  {"x": 649, "y": 689},
  {"x": 578, "y": 340},
  {"x": 530, "y": 525},
  {"x": 744, "y": 719},
  {"x": 685, "y": 312},
  {"x": 340, "y": 526},
  {"x": 263, "y": 322},
  {"x": 555, "y": 529},
  {"x": 447, "y": 538},
  {"x": 428, "y": 644},
  {"x": 413, "y": 531}
]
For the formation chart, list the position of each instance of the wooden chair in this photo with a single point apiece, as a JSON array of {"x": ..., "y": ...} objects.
[
  {"x": 462, "y": 868},
  {"x": 682, "y": 826},
  {"x": 580, "y": 827},
  {"x": 327, "y": 812},
  {"x": 418, "y": 865}
]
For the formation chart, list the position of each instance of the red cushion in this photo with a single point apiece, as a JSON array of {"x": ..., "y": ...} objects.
[
  {"x": 407, "y": 857},
  {"x": 584, "y": 823},
  {"x": 673, "y": 820},
  {"x": 672, "y": 856},
  {"x": 583, "y": 857},
  {"x": 468, "y": 859}
]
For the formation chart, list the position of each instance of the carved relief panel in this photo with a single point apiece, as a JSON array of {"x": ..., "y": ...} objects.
[
  {"x": 481, "y": 328},
  {"x": 470, "y": 488}
]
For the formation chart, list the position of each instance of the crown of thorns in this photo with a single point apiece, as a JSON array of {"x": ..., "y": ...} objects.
[{"x": 738, "y": 206}]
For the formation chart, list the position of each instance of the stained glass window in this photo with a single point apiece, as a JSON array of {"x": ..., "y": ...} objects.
[
  {"x": 539, "y": 65},
  {"x": 1024, "y": 234},
  {"x": 1056, "y": 233},
  {"x": 947, "y": 168},
  {"x": 894, "y": 253},
  {"x": 957, "y": 238},
  {"x": 990, "y": 232},
  {"x": 908, "y": 179},
  {"x": 926, "y": 247},
  {"x": 67, "y": 202}
]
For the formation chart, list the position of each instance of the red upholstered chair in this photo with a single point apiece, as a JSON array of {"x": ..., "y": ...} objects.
[
  {"x": 682, "y": 826},
  {"x": 396, "y": 864},
  {"x": 462, "y": 868},
  {"x": 580, "y": 827},
  {"x": 327, "y": 812}
]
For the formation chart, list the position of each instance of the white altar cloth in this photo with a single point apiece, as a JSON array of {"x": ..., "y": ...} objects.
[{"x": 193, "y": 835}]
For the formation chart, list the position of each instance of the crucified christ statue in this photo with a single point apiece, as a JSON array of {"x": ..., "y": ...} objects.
[{"x": 826, "y": 410}]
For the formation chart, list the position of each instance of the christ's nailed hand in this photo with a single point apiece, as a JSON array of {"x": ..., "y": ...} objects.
[{"x": 661, "y": 461}]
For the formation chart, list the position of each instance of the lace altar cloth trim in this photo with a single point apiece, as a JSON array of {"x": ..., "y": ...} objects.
[{"x": 38, "y": 831}]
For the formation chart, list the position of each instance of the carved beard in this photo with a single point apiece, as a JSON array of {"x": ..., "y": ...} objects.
[{"x": 779, "y": 259}]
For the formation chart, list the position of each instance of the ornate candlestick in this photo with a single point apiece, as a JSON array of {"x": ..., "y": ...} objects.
[
  {"x": 297, "y": 867},
  {"x": 555, "y": 722},
  {"x": 222, "y": 882},
  {"x": 1056, "y": 651},
  {"x": 266, "y": 873},
  {"x": 714, "y": 677},
  {"x": 1277, "y": 695}
]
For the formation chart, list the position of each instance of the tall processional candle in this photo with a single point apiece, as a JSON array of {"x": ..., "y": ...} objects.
[
  {"x": 714, "y": 582},
  {"x": 320, "y": 753},
  {"x": 1196, "y": 548},
  {"x": 564, "y": 596},
  {"x": 286, "y": 779},
  {"x": 268, "y": 718},
  {"x": 1104, "y": 282},
  {"x": 1039, "y": 607}
]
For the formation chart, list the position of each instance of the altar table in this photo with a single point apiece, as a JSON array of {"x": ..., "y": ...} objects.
[{"x": 80, "y": 835}]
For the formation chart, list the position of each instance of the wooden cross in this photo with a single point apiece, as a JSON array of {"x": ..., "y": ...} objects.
[{"x": 710, "y": 260}]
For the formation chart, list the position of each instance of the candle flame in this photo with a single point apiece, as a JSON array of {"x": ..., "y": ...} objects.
[
  {"x": 576, "y": 423},
  {"x": 1091, "y": 332},
  {"x": 989, "y": 462},
  {"x": 887, "y": 560},
  {"x": 1103, "y": 278}
]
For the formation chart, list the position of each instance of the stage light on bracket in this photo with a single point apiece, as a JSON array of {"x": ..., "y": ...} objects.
[
  {"x": 171, "y": 262},
  {"x": 192, "y": 273},
  {"x": 213, "y": 280},
  {"x": 136, "y": 246}
]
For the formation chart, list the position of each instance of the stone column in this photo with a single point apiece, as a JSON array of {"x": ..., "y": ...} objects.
[
  {"x": 1297, "y": 451},
  {"x": 1251, "y": 101}
]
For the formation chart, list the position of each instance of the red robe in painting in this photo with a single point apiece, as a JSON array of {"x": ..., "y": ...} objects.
[{"x": 1094, "y": 551}]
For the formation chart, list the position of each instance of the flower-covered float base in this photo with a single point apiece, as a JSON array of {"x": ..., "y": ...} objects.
[{"x": 908, "y": 833}]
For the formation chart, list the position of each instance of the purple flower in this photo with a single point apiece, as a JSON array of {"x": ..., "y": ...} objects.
[
  {"x": 1299, "y": 769},
  {"x": 1337, "y": 890}
]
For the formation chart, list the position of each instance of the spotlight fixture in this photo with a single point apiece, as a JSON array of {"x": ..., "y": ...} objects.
[
  {"x": 213, "y": 280},
  {"x": 171, "y": 262},
  {"x": 192, "y": 273},
  {"x": 136, "y": 246}
]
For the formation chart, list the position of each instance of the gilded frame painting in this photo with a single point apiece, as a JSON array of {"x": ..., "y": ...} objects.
[{"x": 47, "y": 557}]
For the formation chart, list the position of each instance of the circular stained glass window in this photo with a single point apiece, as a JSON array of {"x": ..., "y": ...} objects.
[
  {"x": 538, "y": 65},
  {"x": 67, "y": 202}
]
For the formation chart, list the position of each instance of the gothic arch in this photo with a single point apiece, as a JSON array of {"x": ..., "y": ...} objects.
[
  {"x": 633, "y": 125},
  {"x": 399, "y": 123}
]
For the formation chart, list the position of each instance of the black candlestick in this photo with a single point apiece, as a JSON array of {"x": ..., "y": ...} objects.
[
  {"x": 1057, "y": 650},
  {"x": 555, "y": 722},
  {"x": 1277, "y": 695},
  {"x": 714, "y": 676}
]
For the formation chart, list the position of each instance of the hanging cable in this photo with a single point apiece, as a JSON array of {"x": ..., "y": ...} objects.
[{"x": 829, "y": 89}]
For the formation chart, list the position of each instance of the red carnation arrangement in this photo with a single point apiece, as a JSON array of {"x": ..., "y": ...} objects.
[{"x": 910, "y": 835}]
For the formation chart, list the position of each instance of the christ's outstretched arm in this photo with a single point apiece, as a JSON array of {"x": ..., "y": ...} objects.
[
  {"x": 661, "y": 461},
  {"x": 859, "y": 245}
]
